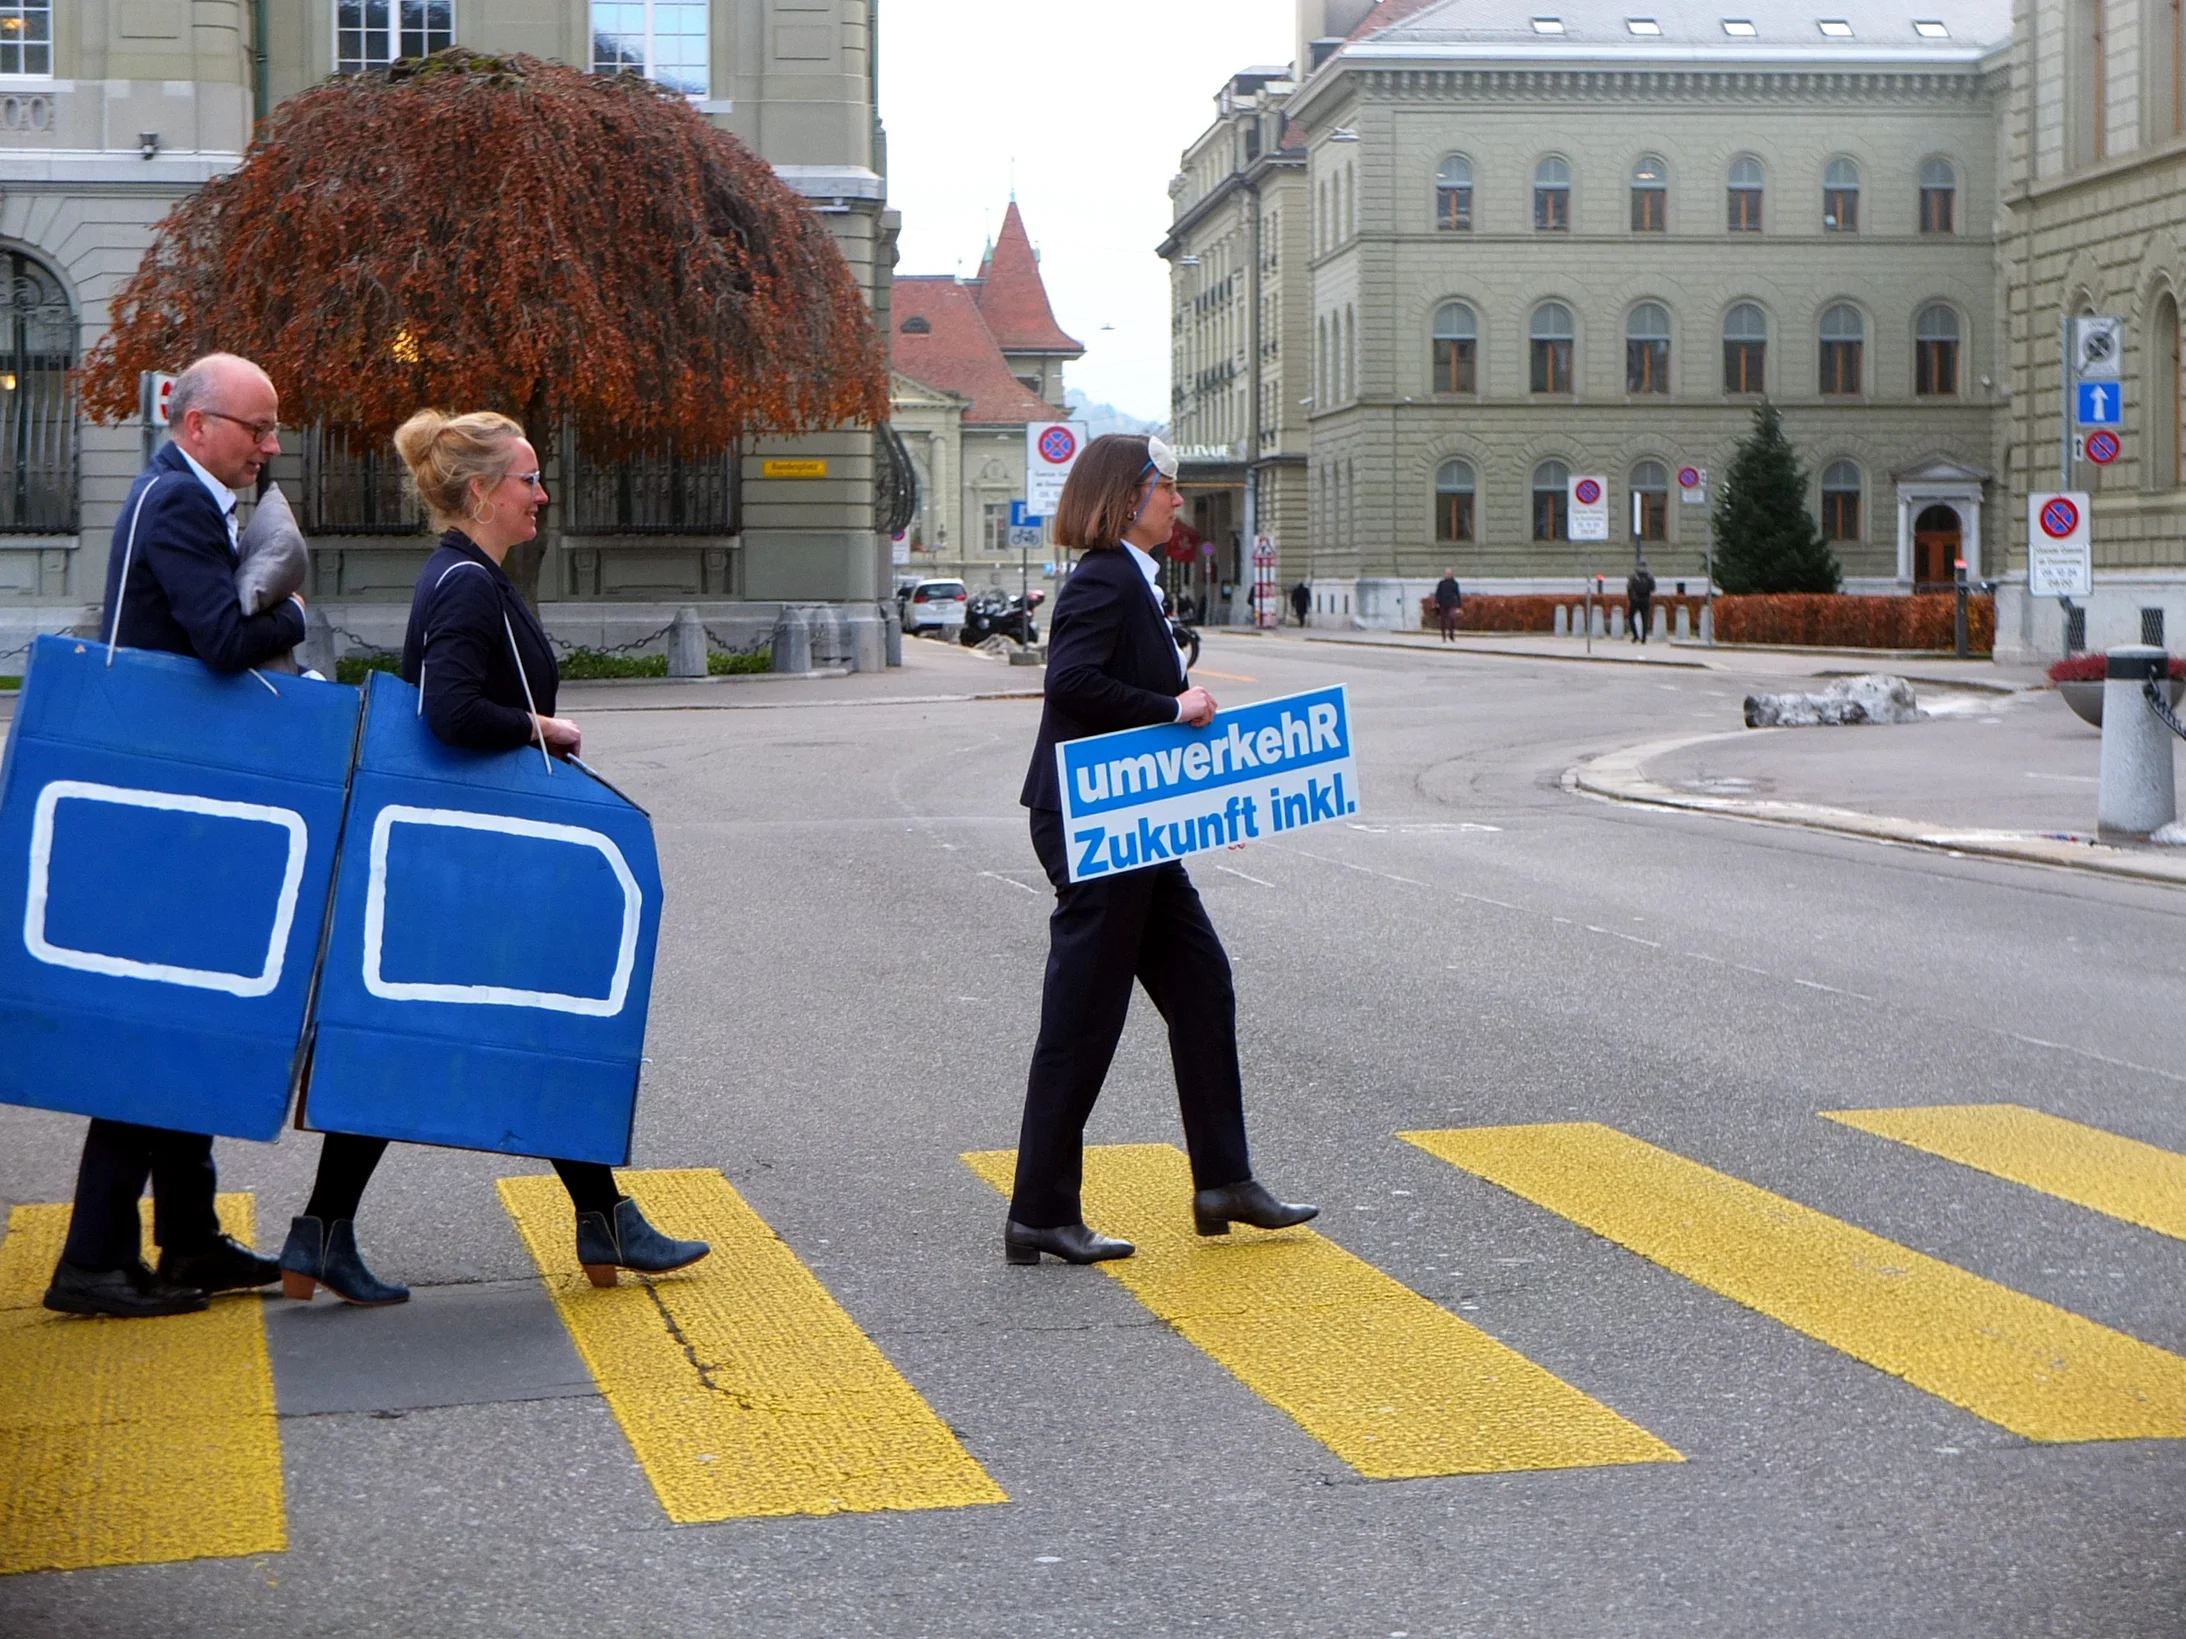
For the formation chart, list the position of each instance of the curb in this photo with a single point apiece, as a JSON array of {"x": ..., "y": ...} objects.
[
  {"x": 1516, "y": 654},
  {"x": 1618, "y": 776}
]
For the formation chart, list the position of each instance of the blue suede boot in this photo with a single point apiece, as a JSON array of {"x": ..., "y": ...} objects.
[
  {"x": 627, "y": 1241},
  {"x": 325, "y": 1255}
]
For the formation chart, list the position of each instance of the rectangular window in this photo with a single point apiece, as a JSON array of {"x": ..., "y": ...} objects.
[
  {"x": 668, "y": 41},
  {"x": 1935, "y": 210},
  {"x": 1841, "y": 367},
  {"x": 1647, "y": 367},
  {"x": 1650, "y": 210},
  {"x": 1551, "y": 515},
  {"x": 1650, "y": 515},
  {"x": 1552, "y": 209},
  {"x": 370, "y": 34},
  {"x": 1454, "y": 366},
  {"x": 1453, "y": 517},
  {"x": 1841, "y": 210},
  {"x": 1742, "y": 366},
  {"x": 1454, "y": 208},
  {"x": 1935, "y": 368},
  {"x": 1552, "y": 366},
  {"x": 1745, "y": 210},
  {"x": 651, "y": 492},
  {"x": 26, "y": 37},
  {"x": 1841, "y": 514}
]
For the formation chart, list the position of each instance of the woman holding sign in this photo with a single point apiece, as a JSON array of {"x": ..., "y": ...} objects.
[
  {"x": 1112, "y": 664},
  {"x": 486, "y": 677}
]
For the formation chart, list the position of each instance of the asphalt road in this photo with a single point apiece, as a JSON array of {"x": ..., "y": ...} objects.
[{"x": 848, "y": 986}]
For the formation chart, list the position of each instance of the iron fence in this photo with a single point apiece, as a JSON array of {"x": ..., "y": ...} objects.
[
  {"x": 895, "y": 499},
  {"x": 654, "y": 492},
  {"x": 37, "y": 403},
  {"x": 353, "y": 485}
]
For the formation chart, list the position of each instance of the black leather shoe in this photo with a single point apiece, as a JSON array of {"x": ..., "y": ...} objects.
[
  {"x": 1246, "y": 1202},
  {"x": 225, "y": 1266},
  {"x": 128, "y": 1292},
  {"x": 1073, "y": 1243}
]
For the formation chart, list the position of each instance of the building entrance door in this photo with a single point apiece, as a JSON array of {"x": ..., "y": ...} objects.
[{"x": 1937, "y": 538}]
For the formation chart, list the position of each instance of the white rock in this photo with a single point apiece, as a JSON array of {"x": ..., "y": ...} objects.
[{"x": 1868, "y": 698}]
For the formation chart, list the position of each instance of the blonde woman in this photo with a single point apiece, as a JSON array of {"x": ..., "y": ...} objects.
[{"x": 470, "y": 631}]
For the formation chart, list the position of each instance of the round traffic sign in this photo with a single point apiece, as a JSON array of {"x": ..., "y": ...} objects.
[
  {"x": 2102, "y": 447},
  {"x": 2060, "y": 517},
  {"x": 1586, "y": 492},
  {"x": 1263, "y": 556},
  {"x": 1057, "y": 445},
  {"x": 1688, "y": 478}
]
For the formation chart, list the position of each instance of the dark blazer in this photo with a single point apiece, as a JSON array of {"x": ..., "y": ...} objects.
[
  {"x": 1111, "y": 663},
  {"x": 457, "y": 650},
  {"x": 181, "y": 591},
  {"x": 1448, "y": 595}
]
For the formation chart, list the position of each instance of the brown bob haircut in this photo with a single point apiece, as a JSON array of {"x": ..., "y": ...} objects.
[{"x": 1101, "y": 496}]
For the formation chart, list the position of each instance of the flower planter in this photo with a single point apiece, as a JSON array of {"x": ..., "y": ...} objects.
[{"x": 2086, "y": 699}]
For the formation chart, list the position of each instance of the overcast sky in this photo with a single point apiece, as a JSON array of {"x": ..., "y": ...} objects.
[{"x": 1089, "y": 107}]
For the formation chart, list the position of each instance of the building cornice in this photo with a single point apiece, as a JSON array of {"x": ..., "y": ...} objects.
[
  {"x": 1249, "y": 179},
  {"x": 101, "y": 171}
]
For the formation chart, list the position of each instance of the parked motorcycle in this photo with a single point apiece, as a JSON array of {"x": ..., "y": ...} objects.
[
  {"x": 996, "y": 614},
  {"x": 1187, "y": 640}
]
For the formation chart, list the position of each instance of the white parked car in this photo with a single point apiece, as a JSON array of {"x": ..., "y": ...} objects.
[{"x": 935, "y": 606}]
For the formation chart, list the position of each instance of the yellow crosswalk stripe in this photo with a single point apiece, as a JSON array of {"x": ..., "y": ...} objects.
[
  {"x": 743, "y": 1387},
  {"x": 2119, "y": 1177},
  {"x": 131, "y": 1442},
  {"x": 2028, "y": 1366},
  {"x": 1396, "y": 1386}
]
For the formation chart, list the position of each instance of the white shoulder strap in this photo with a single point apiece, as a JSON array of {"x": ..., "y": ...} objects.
[{"x": 128, "y": 551}]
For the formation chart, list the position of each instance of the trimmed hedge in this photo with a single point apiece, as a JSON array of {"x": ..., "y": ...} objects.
[
  {"x": 1818, "y": 620},
  {"x": 2093, "y": 668}
]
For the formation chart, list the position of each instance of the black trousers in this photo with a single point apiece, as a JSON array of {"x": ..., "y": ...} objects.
[
  {"x": 1642, "y": 616},
  {"x": 1149, "y": 926},
  {"x": 346, "y": 1162},
  {"x": 104, "y": 1230}
]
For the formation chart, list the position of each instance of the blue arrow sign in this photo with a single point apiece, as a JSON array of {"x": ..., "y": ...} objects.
[{"x": 2101, "y": 404}]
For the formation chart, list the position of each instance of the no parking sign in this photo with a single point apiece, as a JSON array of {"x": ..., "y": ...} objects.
[
  {"x": 1590, "y": 508},
  {"x": 2057, "y": 545},
  {"x": 1051, "y": 450}
]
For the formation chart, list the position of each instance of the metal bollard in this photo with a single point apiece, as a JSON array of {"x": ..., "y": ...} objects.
[
  {"x": 792, "y": 641},
  {"x": 2137, "y": 793},
  {"x": 687, "y": 645},
  {"x": 892, "y": 623},
  {"x": 1562, "y": 627}
]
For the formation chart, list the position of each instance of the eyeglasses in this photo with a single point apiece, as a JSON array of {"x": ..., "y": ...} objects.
[
  {"x": 259, "y": 431},
  {"x": 529, "y": 479}
]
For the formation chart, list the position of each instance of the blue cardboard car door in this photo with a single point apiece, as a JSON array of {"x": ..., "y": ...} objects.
[
  {"x": 490, "y": 960},
  {"x": 167, "y": 844}
]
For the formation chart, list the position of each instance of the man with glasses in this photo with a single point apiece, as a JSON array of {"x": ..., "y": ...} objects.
[{"x": 170, "y": 584}]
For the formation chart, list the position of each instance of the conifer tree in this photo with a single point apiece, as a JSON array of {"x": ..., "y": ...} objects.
[{"x": 1765, "y": 539}]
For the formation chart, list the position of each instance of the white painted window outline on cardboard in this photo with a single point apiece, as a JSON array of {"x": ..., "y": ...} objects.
[
  {"x": 262, "y": 983},
  {"x": 553, "y": 1001}
]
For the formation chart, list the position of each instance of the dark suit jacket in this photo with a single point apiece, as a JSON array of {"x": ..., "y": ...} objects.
[
  {"x": 181, "y": 591},
  {"x": 458, "y": 645},
  {"x": 1111, "y": 663}
]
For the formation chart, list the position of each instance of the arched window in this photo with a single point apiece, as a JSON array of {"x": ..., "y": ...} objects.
[
  {"x": 1935, "y": 352},
  {"x": 1552, "y": 502},
  {"x": 37, "y": 400},
  {"x": 1843, "y": 336},
  {"x": 1647, "y": 349},
  {"x": 1745, "y": 349},
  {"x": 1552, "y": 338},
  {"x": 1746, "y": 188},
  {"x": 1456, "y": 349},
  {"x": 1650, "y": 194},
  {"x": 1454, "y": 195},
  {"x": 1841, "y": 502},
  {"x": 1650, "y": 487},
  {"x": 1841, "y": 197},
  {"x": 2166, "y": 447},
  {"x": 1938, "y": 197},
  {"x": 1454, "y": 501},
  {"x": 1552, "y": 195}
]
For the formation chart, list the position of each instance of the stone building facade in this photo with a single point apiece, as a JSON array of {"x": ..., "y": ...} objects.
[
  {"x": 1562, "y": 240},
  {"x": 2094, "y": 151},
  {"x": 110, "y": 113},
  {"x": 1240, "y": 335}
]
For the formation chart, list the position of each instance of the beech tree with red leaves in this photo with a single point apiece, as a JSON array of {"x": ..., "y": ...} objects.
[{"x": 476, "y": 232}]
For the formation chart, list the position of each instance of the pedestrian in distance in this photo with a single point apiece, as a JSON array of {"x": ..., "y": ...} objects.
[
  {"x": 1112, "y": 665},
  {"x": 487, "y": 678},
  {"x": 1449, "y": 599},
  {"x": 170, "y": 585},
  {"x": 1639, "y": 597},
  {"x": 1301, "y": 599}
]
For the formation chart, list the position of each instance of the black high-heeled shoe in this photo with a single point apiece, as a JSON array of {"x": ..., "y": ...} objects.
[
  {"x": 1245, "y": 1202},
  {"x": 1073, "y": 1243}
]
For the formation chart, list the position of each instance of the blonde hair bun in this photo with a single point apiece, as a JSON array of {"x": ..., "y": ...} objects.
[{"x": 447, "y": 454}]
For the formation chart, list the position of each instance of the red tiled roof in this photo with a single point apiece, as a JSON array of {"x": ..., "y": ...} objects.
[
  {"x": 1388, "y": 12},
  {"x": 1012, "y": 298},
  {"x": 957, "y": 354}
]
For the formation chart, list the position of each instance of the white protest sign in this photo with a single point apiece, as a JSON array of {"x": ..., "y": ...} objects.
[
  {"x": 1145, "y": 796},
  {"x": 1051, "y": 450},
  {"x": 1590, "y": 508},
  {"x": 2058, "y": 554}
]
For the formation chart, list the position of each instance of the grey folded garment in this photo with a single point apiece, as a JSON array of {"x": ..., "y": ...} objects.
[{"x": 274, "y": 562}]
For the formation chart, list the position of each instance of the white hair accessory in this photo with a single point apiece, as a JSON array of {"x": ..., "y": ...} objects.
[{"x": 1161, "y": 458}]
